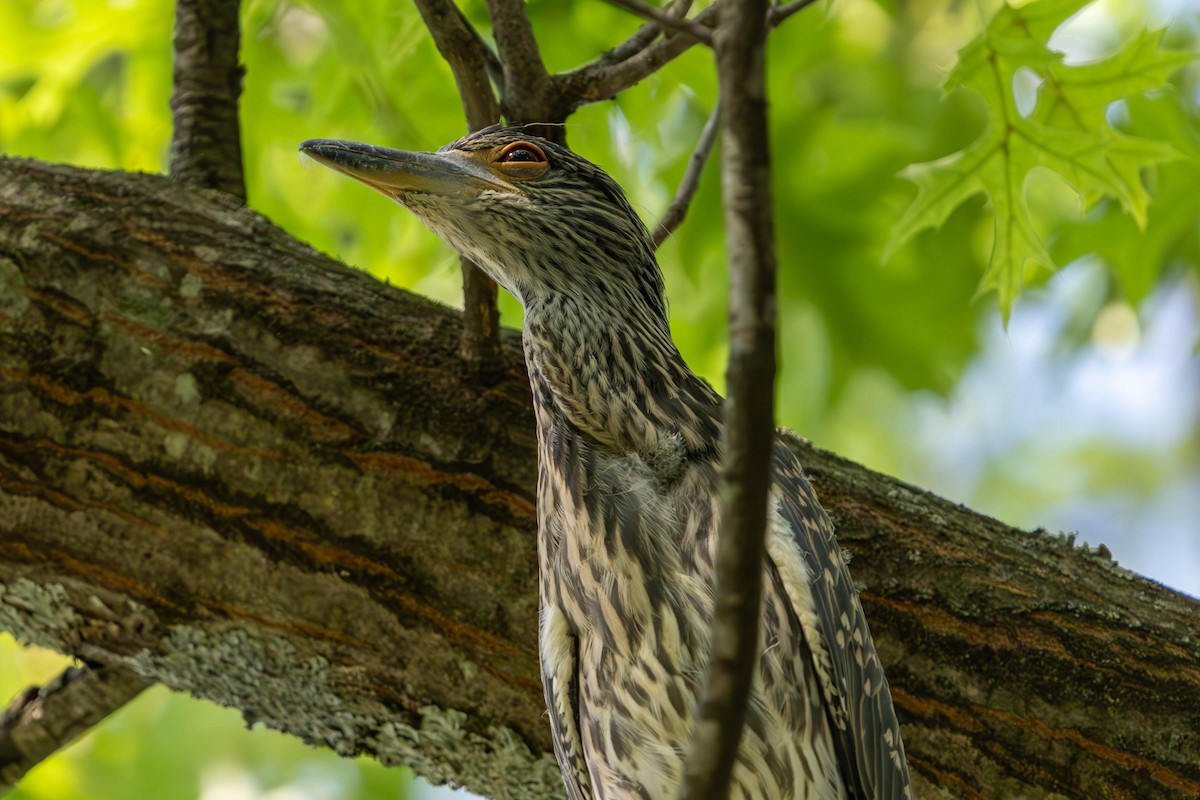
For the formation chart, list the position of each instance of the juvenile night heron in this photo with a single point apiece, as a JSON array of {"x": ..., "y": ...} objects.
[{"x": 628, "y": 458}]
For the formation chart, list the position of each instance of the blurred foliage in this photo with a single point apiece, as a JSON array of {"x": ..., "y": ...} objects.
[{"x": 857, "y": 93}]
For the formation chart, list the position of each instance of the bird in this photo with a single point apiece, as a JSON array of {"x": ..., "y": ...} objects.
[{"x": 629, "y": 457}]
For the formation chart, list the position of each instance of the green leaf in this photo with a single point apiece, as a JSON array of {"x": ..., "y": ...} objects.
[
  {"x": 1067, "y": 132},
  {"x": 1076, "y": 97},
  {"x": 1137, "y": 257}
]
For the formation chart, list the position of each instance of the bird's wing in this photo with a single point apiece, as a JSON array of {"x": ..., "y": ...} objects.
[
  {"x": 560, "y": 680},
  {"x": 865, "y": 729}
]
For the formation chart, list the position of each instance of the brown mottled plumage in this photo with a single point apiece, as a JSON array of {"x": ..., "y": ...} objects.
[{"x": 628, "y": 452}]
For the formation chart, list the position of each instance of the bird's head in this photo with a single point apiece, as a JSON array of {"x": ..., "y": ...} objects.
[{"x": 543, "y": 222}]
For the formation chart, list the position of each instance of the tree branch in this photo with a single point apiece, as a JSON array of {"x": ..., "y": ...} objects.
[
  {"x": 642, "y": 55},
  {"x": 779, "y": 13},
  {"x": 673, "y": 217},
  {"x": 666, "y": 19},
  {"x": 639, "y": 41},
  {"x": 480, "y": 340},
  {"x": 41, "y": 721},
  {"x": 206, "y": 145},
  {"x": 266, "y": 479},
  {"x": 468, "y": 56},
  {"x": 600, "y": 80},
  {"x": 490, "y": 59},
  {"x": 741, "y": 38},
  {"x": 461, "y": 47},
  {"x": 526, "y": 82},
  {"x": 641, "y": 38}
]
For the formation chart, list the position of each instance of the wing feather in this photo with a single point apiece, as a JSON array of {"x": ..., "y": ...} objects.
[
  {"x": 560, "y": 681},
  {"x": 866, "y": 731}
]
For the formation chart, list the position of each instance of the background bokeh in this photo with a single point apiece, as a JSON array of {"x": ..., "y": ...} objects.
[{"x": 1082, "y": 415}]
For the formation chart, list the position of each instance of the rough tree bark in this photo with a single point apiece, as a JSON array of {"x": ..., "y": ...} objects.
[{"x": 244, "y": 470}]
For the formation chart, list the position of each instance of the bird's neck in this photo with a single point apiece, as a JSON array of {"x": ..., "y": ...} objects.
[{"x": 614, "y": 376}]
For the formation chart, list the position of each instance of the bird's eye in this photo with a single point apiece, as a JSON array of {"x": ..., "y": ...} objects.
[
  {"x": 521, "y": 154},
  {"x": 522, "y": 160}
]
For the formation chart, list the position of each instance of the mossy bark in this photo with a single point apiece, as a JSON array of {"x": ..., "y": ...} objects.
[{"x": 253, "y": 474}]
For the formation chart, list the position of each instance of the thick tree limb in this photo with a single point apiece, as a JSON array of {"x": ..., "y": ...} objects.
[
  {"x": 749, "y": 433},
  {"x": 42, "y": 720},
  {"x": 468, "y": 57},
  {"x": 288, "y": 544},
  {"x": 206, "y": 144},
  {"x": 237, "y": 467},
  {"x": 206, "y": 153}
]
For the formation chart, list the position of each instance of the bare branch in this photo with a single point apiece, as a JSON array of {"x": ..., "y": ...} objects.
[
  {"x": 750, "y": 404},
  {"x": 641, "y": 38},
  {"x": 471, "y": 60},
  {"x": 206, "y": 147},
  {"x": 777, "y": 14},
  {"x": 41, "y": 721},
  {"x": 600, "y": 80},
  {"x": 642, "y": 55},
  {"x": 479, "y": 344},
  {"x": 526, "y": 81},
  {"x": 666, "y": 19},
  {"x": 679, "y": 8},
  {"x": 460, "y": 44},
  {"x": 673, "y": 216},
  {"x": 491, "y": 59}
]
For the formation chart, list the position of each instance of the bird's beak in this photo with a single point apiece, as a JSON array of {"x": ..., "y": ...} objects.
[{"x": 397, "y": 172}]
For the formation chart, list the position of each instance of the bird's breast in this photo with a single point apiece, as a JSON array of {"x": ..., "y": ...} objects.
[{"x": 628, "y": 562}]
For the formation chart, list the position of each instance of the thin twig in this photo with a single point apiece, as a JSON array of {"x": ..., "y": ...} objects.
[
  {"x": 641, "y": 38},
  {"x": 666, "y": 19},
  {"x": 644, "y": 35},
  {"x": 673, "y": 216},
  {"x": 597, "y": 81},
  {"x": 777, "y": 14},
  {"x": 750, "y": 406},
  {"x": 460, "y": 44},
  {"x": 640, "y": 56},
  {"x": 41, "y": 721},
  {"x": 206, "y": 145},
  {"x": 679, "y": 8}
]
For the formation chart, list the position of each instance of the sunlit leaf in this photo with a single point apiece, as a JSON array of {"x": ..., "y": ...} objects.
[{"x": 1066, "y": 132}]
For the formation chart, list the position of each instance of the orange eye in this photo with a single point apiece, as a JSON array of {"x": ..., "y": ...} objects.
[{"x": 521, "y": 153}]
